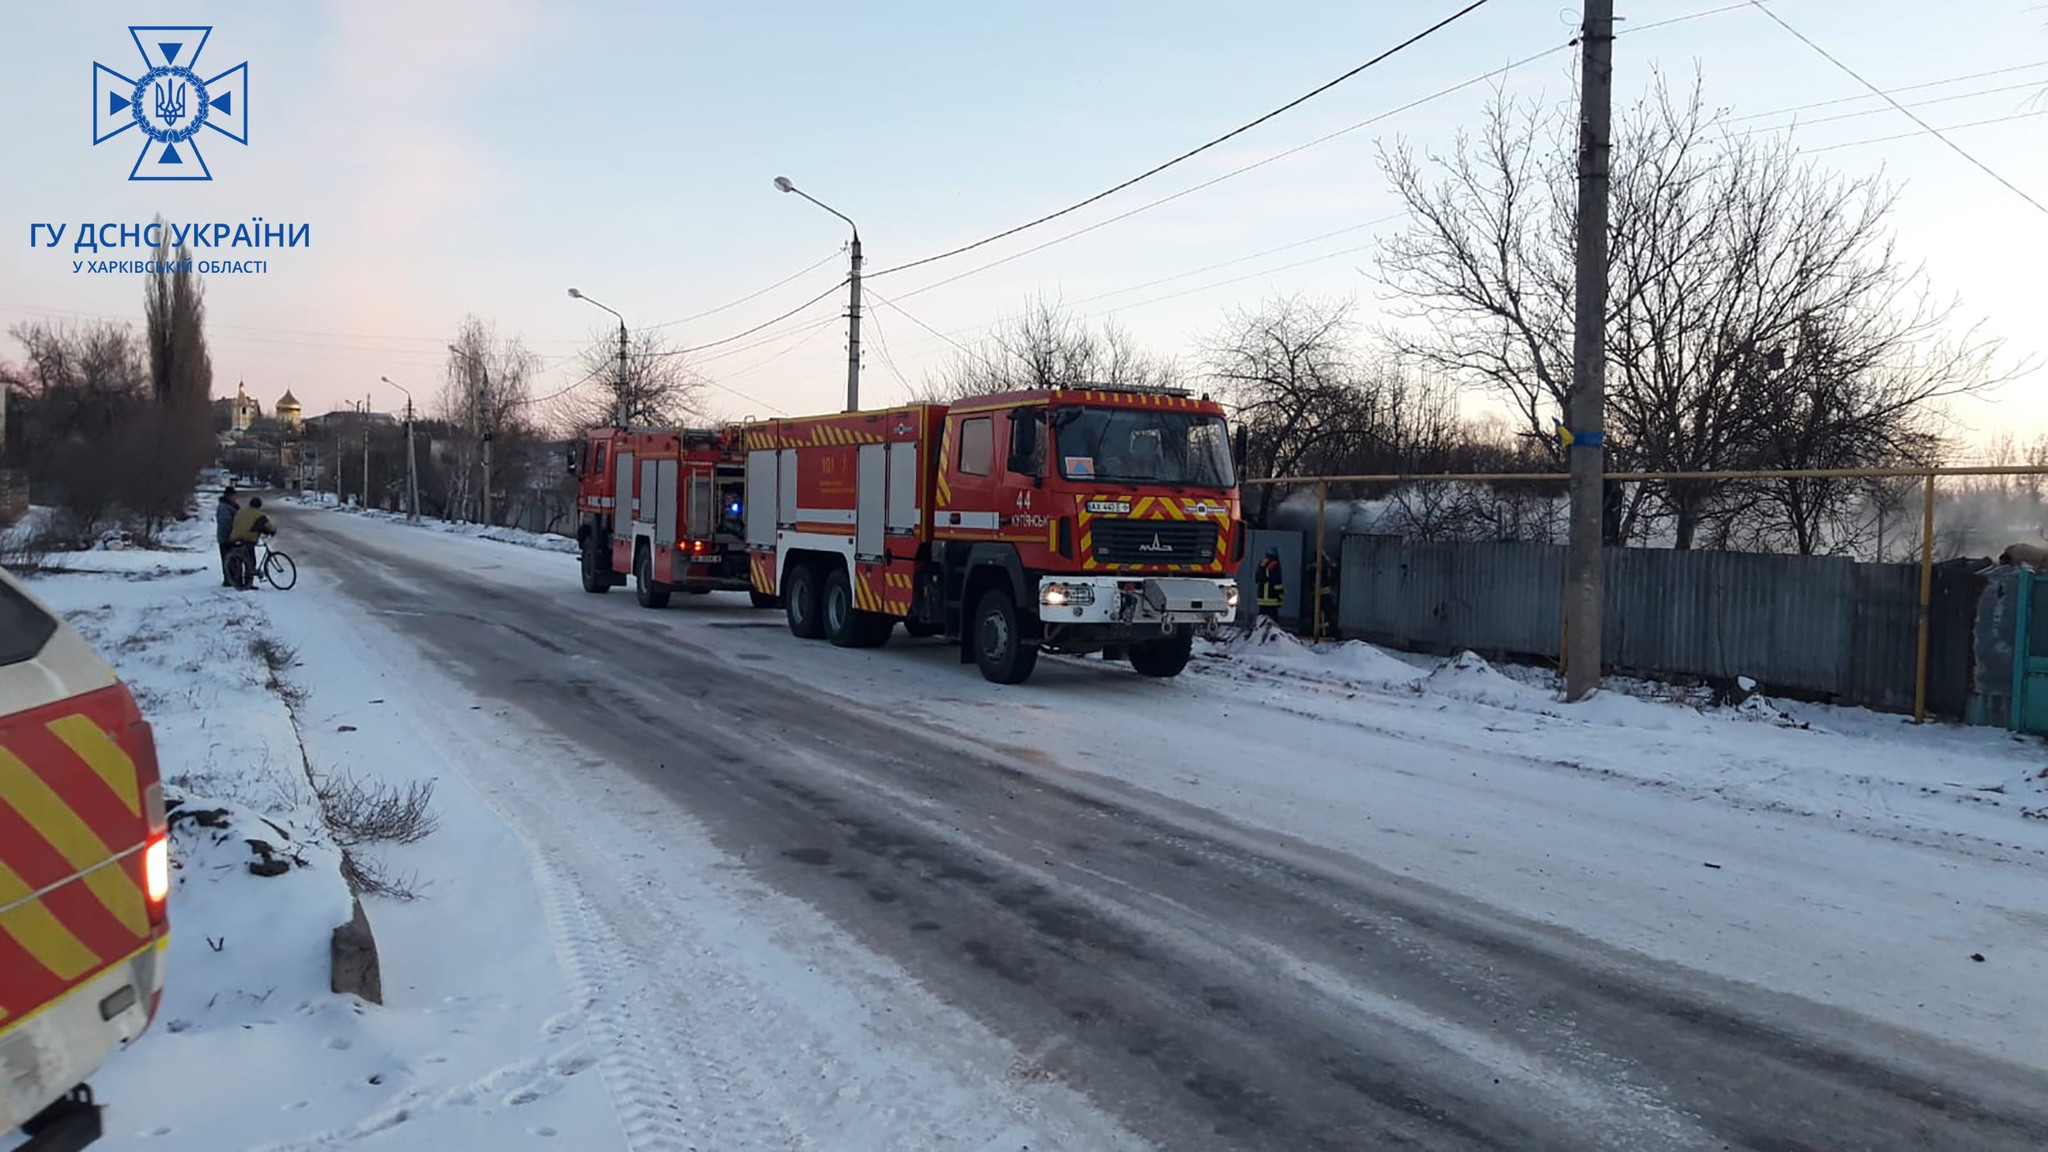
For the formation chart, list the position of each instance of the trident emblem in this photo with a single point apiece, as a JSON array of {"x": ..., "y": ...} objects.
[
  {"x": 170, "y": 106},
  {"x": 169, "y": 102}
]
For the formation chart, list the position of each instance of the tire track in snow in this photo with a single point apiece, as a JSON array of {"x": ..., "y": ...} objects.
[{"x": 659, "y": 1111}]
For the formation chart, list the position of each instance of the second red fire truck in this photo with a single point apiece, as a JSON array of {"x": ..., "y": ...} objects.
[{"x": 1064, "y": 520}]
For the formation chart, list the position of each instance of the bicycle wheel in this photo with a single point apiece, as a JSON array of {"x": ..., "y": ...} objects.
[{"x": 280, "y": 571}]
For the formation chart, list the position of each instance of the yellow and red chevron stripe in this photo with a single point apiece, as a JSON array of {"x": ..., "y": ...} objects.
[
  {"x": 896, "y": 597},
  {"x": 1144, "y": 508},
  {"x": 72, "y": 833}
]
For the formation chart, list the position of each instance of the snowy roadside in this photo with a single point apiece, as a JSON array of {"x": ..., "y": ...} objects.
[
  {"x": 1941, "y": 778},
  {"x": 251, "y": 1049}
]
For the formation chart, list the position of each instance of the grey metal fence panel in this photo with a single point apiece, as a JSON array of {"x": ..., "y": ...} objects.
[{"x": 1824, "y": 625}]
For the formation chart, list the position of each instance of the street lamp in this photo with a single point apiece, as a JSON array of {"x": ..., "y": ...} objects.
[
  {"x": 782, "y": 183},
  {"x": 412, "y": 475},
  {"x": 622, "y": 414}
]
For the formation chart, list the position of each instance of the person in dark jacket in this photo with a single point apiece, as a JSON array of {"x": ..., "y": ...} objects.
[
  {"x": 1271, "y": 588},
  {"x": 224, "y": 529}
]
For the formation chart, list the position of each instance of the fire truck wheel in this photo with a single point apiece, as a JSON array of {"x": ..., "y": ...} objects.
[
  {"x": 1000, "y": 649},
  {"x": 1164, "y": 658},
  {"x": 595, "y": 579},
  {"x": 847, "y": 626},
  {"x": 800, "y": 601},
  {"x": 650, "y": 594}
]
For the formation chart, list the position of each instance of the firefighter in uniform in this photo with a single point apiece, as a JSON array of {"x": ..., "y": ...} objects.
[{"x": 1272, "y": 590}]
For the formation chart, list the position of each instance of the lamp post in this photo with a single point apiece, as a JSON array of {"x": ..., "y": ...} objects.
[
  {"x": 622, "y": 411},
  {"x": 483, "y": 402},
  {"x": 412, "y": 475},
  {"x": 853, "y": 304}
]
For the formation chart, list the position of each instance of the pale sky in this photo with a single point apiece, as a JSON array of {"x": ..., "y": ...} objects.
[{"x": 481, "y": 156}]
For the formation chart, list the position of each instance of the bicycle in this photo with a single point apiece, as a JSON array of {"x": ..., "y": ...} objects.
[{"x": 272, "y": 566}]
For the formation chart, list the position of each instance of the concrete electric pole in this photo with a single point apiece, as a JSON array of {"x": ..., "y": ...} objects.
[
  {"x": 1585, "y": 431},
  {"x": 484, "y": 400},
  {"x": 366, "y": 450},
  {"x": 412, "y": 472}
]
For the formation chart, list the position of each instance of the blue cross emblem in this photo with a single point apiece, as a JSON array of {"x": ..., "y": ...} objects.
[{"x": 170, "y": 103}]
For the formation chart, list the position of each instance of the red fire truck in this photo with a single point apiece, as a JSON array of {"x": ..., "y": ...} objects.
[
  {"x": 1062, "y": 520},
  {"x": 665, "y": 506}
]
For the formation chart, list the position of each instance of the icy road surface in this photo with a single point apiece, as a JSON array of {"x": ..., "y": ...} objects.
[{"x": 1233, "y": 913}]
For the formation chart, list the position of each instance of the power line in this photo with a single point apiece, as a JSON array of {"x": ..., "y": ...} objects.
[
  {"x": 834, "y": 255},
  {"x": 1239, "y": 171},
  {"x": 1193, "y": 152},
  {"x": 882, "y": 342},
  {"x": 1912, "y": 135},
  {"x": 757, "y": 327},
  {"x": 766, "y": 341},
  {"x": 1907, "y": 112},
  {"x": 1906, "y": 88},
  {"x": 964, "y": 349},
  {"x": 1282, "y": 155},
  {"x": 1795, "y": 124},
  {"x": 1378, "y": 220}
]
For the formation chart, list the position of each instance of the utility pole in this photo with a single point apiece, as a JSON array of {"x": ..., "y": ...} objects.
[
  {"x": 412, "y": 471},
  {"x": 366, "y": 451},
  {"x": 484, "y": 399},
  {"x": 853, "y": 332},
  {"x": 625, "y": 412},
  {"x": 1585, "y": 432}
]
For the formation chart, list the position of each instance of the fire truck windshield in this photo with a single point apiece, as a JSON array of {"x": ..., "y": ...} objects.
[{"x": 1142, "y": 446}]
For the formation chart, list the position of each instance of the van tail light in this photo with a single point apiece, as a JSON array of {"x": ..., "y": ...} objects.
[
  {"x": 156, "y": 872},
  {"x": 156, "y": 852}
]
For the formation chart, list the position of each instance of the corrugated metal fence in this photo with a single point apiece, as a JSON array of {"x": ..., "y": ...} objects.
[{"x": 1821, "y": 625}]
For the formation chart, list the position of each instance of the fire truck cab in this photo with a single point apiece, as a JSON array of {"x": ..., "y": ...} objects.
[
  {"x": 664, "y": 507},
  {"x": 1073, "y": 520}
]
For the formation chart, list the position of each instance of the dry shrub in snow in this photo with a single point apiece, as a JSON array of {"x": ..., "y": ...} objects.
[{"x": 359, "y": 813}]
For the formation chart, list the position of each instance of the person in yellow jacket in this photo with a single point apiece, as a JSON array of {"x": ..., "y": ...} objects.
[{"x": 251, "y": 524}]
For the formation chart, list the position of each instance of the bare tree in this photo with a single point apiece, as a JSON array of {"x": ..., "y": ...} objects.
[
  {"x": 1759, "y": 315},
  {"x": 1045, "y": 346},
  {"x": 1307, "y": 403},
  {"x": 486, "y": 394},
  {"x": 662, "y": 389}
]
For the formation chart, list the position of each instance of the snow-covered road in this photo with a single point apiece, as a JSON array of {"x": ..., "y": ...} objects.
[{"x": 846, "y": 899}]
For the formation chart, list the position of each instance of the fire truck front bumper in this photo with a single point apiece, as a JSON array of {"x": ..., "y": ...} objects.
[{"x": 1147, "y": 600}]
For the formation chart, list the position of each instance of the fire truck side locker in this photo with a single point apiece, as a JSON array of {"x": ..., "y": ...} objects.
[{"x": 871, "y": 490}]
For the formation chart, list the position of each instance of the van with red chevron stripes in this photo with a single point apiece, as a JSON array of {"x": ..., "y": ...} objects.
[{"x": 84, "y": 874}]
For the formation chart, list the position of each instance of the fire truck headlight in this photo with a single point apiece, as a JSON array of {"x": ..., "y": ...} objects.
[
  {"x": 1056, "y": 595},
  {"x": 1230, "y": 596}
]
